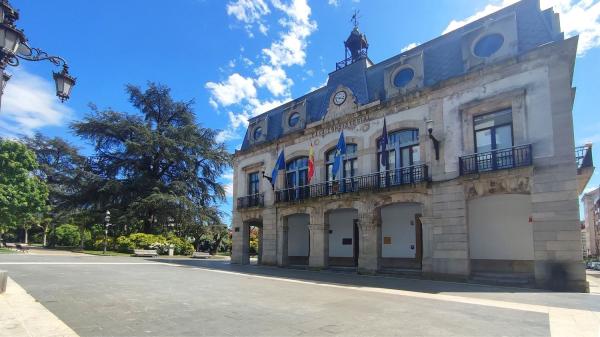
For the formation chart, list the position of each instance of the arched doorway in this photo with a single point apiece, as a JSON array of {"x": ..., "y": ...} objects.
[
  {"x": 343, "y": 237},
  {"x": 298, "y": 239},
  {"x": 255, "y": 242},
  {"x": 401, "y": 236}
]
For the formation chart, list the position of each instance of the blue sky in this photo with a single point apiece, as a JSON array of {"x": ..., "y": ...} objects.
[{"x": 238, "y": 58}]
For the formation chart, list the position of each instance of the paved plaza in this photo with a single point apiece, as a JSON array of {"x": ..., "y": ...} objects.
[{"x": 122, "y": 296}]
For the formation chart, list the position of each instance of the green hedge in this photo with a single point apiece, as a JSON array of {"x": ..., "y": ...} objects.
[{"x": 126, "y": 244}]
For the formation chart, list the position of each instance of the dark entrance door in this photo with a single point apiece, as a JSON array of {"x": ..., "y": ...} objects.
[
  {"x": 419, "y": 241},
  {"x": 356, "y": 242}
]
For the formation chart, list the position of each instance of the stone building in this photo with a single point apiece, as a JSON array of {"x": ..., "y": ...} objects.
[
  {"x": 481, "y": 180},
  {"x": 591, "y": 213}
]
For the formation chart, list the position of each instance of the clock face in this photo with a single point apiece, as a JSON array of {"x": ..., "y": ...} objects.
[{"x": 339, "y": 97}]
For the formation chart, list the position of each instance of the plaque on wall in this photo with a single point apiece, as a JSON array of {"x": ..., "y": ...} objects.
[
  {"x": 346, "y": 241},
  {"x": 387, "y": 240},
  {"x": 237, "y": 229}
]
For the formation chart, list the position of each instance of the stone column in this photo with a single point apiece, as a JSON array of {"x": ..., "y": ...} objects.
[
  {"x": 241, "y": 242},
  {"x": 368, "y": 258},
  {"x": 319, "y": 246},
  {"x": 427, "y": 224},
  {"x": 282, "y": 242}
]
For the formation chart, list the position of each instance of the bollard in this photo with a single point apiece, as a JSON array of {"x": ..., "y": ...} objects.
[
  {"x": 171, "y": 250},
  {"x": 3, "y": 278}
]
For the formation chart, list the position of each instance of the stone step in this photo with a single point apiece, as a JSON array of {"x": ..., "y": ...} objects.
[{"x": 412, "y": 273}]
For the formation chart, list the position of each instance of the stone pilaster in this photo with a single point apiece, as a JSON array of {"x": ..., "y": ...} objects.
[
  {"x": 240, "y": 242},
  {"x": 269, "y": 237},
  {"x": 319, "y": 246},
  {"x": 427, "y": 224},
  {"x": 368, "y": 258},
  {"x": 282, "y": 242}
]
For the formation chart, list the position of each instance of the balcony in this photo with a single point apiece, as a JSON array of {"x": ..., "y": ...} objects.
[
  {"x": 252, "y": 200},
  {"x": 349, "y": 60},
  {"x": 516, "y": 156},
  {"x": 379, "y": 181},
  {"x": 585, "y": 166}
]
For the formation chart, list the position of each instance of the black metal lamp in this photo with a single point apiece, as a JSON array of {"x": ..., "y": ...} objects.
[
  {"x": 436, "y": 143},
  {"x": 13, "y": 46}
]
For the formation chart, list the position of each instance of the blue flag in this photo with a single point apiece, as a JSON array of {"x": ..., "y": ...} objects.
[
  {"x": 279, "y": 165},
  {"x": 383, "y": 141},
  {"x": 340, "y": 151}
]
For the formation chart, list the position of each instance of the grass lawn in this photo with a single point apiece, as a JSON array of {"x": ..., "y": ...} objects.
[
  {"x": 99, "y": 252},
  {"x": 7, "y": 251}
]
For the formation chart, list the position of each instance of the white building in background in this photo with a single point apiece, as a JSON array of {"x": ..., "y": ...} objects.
[
  {"x": 591, "y": 213},
  {"x": 481, "y": 180}
]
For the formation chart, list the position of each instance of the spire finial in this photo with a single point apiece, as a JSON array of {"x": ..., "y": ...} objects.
[{"x": 355, "y": 18}]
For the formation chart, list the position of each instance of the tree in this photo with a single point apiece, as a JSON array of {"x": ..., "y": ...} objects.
[
  {"x": 23, "y": 195},
  {"x": 70, "y": 182},
  {"x": 157, "y": 165}
]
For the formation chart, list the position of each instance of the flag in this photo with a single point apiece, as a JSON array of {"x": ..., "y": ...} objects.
[
  {"x": 279, "y": 165},
  {"x": 383, "y": 141},
  {"x": 311, "y": 163},
  {"x": 339, "y": 152}
]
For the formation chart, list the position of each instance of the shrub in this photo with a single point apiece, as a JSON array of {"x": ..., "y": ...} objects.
[
  {"x": 126, "y": 244},
  {"x": 181, "y": 246},
  {"x": 67, "y": 235}
]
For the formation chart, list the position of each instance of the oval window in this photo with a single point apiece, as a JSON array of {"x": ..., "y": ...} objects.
[
  {"x": 257, "y": 133},
  {"x": 403, "y": 77},
  {"x": 488, "y": 45},
  {"x": 294, "y": 119}
]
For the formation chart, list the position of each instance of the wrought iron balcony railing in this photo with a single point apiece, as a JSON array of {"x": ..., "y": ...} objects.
[
  {"x": 373, "y": 182},
  {"x": 583, "y": 156},
  {"x": 348, "y": 61},
  {"x": 516, "y": 156},
  {"x": 252, "y": 200}
]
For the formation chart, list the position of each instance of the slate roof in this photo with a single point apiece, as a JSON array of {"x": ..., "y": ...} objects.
[{"x": 442, "y": 60}]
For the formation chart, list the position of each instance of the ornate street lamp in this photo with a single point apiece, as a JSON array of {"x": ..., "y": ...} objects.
[{"x": 13, "y": 46}]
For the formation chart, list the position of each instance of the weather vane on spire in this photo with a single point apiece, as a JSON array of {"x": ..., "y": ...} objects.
[{"x": 355, "y": 18}]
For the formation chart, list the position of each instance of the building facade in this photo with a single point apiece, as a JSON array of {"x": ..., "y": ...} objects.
[
  {"x": 591, "y": 213},
  {"x": 481, "y": 180}
]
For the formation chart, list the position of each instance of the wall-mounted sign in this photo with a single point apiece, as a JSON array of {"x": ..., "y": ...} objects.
[
  {"x": 387, "y": 240},
  {"x": 346, "y": 241}
]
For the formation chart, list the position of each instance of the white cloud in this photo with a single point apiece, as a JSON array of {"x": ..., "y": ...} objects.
[
  {"x": 409, "y": 46},
  {"x": 275, "y": 79},
  {"x": 334, "y": 3},
  {"x": 29, "y": 103},
  {"x": 288, "y": 49},
  {"x": 577, "y": 17},
  {"x": 228, "y": 181},
  {"x": 232, "y": 91},
  {"x": 250, "y": 12}
]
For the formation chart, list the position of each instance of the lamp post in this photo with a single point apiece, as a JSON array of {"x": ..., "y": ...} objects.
[
  {"x": 106, "y": 224},
  {"x": 436, "y": 142},
  {"x": 13, "y": 46}
]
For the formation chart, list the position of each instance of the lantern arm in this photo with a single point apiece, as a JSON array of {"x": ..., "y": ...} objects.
[{"x": 40, "y": 55}]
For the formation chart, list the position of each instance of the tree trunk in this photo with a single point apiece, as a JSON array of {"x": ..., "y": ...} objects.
[
  {"x": 26, "y": 236},
  {"x": 82, "y": 236},
  {"x": 45, "y": 236}
]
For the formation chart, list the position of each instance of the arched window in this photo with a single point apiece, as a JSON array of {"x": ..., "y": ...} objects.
[
  {"x": 402, "y": 148},
  {"x": 297, "y": 172},
  {"x": 350, "y": 163}
]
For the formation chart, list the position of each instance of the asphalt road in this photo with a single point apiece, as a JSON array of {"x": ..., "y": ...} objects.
[{"x": 121, "y": 296}]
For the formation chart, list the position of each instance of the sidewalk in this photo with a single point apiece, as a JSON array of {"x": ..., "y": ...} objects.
[{"x": 22, "y": 316}]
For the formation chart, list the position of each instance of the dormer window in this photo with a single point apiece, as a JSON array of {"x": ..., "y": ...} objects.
[
  {"x": 404, "y": 77},
  {"x": 294, "y": 119},
  {"x": 257, "y": 133},
  {"x": 488, "y": 45}
]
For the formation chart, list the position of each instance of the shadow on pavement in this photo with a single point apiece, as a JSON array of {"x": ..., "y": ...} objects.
[{"x": 348, "y": 278}]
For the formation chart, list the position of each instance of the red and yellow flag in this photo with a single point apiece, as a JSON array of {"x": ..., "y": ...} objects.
[{"x": 311, "y": 163}]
